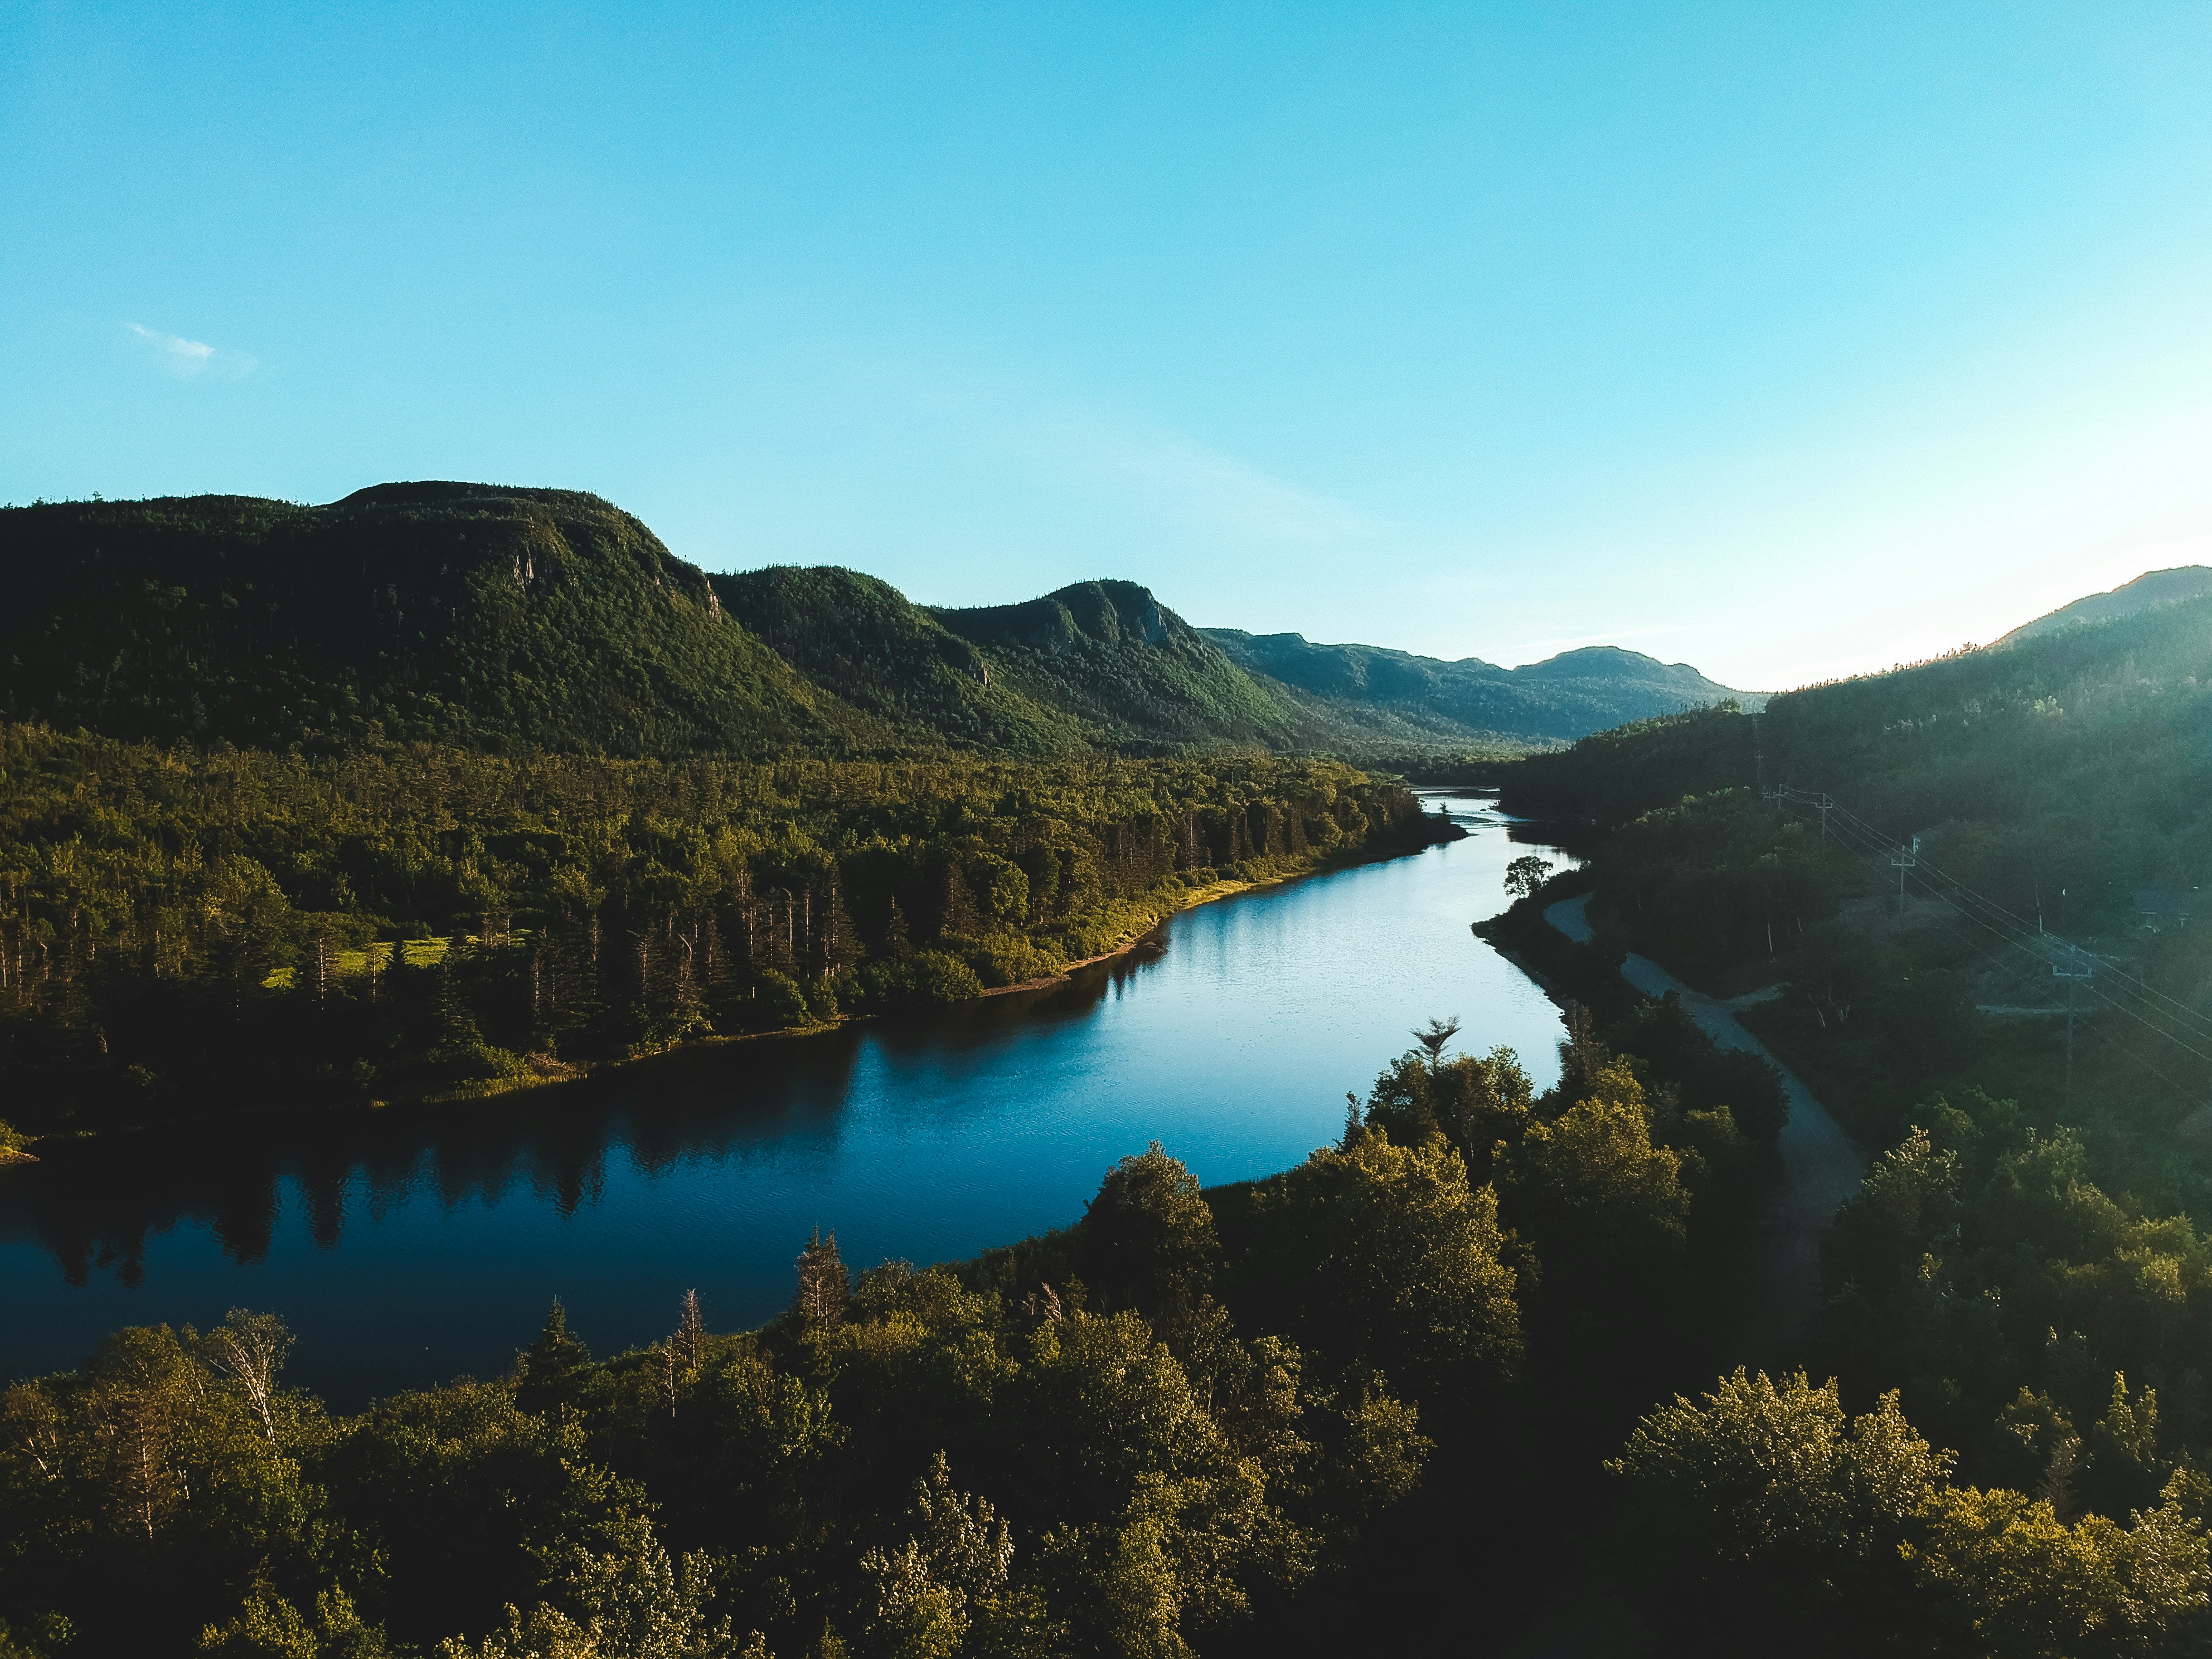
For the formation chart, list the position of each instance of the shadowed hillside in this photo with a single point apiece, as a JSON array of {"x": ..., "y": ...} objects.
[
  {"x": 512, "y": 620},
  {"x": 867, "y": 642},
  {"x": 492, "y": 618},
  {"x": 1129, "y": 669}
]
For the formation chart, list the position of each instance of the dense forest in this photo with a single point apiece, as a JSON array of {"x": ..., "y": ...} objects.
[
  {"x": 182, "y": 931},
  {"x": 522, "y": 621},
  {"x": 1278, "y": 1416},
  {"x": 1257, "y": 1419},
  {"x": 1970, "y": 883}
]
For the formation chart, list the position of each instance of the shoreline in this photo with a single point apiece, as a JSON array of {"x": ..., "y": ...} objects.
[
  {"x": 574, "y": 1074},
  {"x": 1208, "y": 894}
]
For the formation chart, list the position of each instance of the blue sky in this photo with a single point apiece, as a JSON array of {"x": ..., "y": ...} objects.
[{"x": 1785, "y": 339}]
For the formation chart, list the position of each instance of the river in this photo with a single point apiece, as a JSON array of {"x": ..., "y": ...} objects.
[{"x": 405, "y": 1247}]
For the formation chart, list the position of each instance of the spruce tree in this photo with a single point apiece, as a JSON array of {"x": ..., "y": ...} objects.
[{"x": 549, "y": 1365}]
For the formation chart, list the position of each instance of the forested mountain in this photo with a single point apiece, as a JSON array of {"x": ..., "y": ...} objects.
[
  {"x": 2082, "y": 756},
  {"x": 499, "y": 619},
  {"x": 1970, "y": 895},
  {"x": 1131, "y": 670},
  {"x": 1558, "y": 700},
  {"x": 2155, "y": 587},
  {"x": 866, "y": 642},
  {"x": 508, "y": 621}
]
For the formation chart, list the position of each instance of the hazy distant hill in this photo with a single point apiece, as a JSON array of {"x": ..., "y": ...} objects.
[
  {"x": 500, "y": 618},
  {"x": 1558, "y": 700},
  {"x": 2156, "y": 587}
]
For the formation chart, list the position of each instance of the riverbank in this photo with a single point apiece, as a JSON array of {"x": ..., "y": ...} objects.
[
  {"x": 1178, "y": 904},
  {"x": 545, "y": 1071},
  {"x": 1212, "y": 892},
  {"x": 417, "y": 1242}
]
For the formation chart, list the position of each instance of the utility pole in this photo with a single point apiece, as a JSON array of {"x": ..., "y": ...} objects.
[
  {"x": 1906, "y": 859},
  {"x": 1825, "y": 804},
  {"x": 2073, "y": 968}
]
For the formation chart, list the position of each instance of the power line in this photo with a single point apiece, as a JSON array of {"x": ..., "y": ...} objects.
[
  {"x": 1856, "y": 836},
  {"x": 2015, "y": 930},
  {"x": 2020, "y": 925}
]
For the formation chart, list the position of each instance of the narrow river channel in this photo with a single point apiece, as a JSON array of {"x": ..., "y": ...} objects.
[{"x": 406, "y": 1247}]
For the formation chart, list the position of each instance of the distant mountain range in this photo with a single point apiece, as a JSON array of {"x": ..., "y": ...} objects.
[
  {"x": 2152, "y": 588},
  {"x": 505, "y": 619},
  {"x": 1558, "y": 700}
]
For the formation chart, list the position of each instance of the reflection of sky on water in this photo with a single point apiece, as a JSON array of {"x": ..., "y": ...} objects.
[{"x": 405, "y": 1246}]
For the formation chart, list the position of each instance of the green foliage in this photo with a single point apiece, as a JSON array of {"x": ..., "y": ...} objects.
[
  {"x": 270, "y": 1627},
  {"x": 1770, "y": 1523},
  {"x": 1147, "y": 1240},
  {"x": 2053, "y": 1331},
  {"x": 620, "y": 1594},
  {"x": 546, "y": 1369},
  {"x": 1770, "y": 1517},
  {"x": 1617, "y": 773},
  {"x": 2009, "y": 1576},
  {"x": 182, "y": 931},
  {"x": 920, "y": 979},
  {"x": 1591, "y": 1180},
  {"x": 1387, "y": 1256}
]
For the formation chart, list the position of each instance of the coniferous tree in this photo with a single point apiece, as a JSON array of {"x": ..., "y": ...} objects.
[
  {"x": 547, "y": 1372},
  {"x": 957, "y": 918}
]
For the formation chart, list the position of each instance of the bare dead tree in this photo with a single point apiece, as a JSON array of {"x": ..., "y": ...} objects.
[
  {"x": 691, "y": 1331},
  {"x": 134, "y": 1429},
  {"x": 250, "y": 1348},
  {"x": 822, "y": 1285}
]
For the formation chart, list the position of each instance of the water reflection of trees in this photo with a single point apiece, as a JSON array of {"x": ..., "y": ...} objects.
[{"x": 93, "y": 1207}]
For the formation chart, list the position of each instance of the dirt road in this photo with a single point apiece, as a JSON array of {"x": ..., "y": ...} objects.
[{"x": 1821, "y": 1168}]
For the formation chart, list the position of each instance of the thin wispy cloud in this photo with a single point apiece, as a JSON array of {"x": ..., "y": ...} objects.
[
  {"x": 1156, "y": 470},
  {"x": 190, "y": 360},
  {"x": 1220, "y": 492}
]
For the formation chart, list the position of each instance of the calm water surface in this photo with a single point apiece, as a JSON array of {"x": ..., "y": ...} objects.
[{"x": 405, "y": 1247}]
